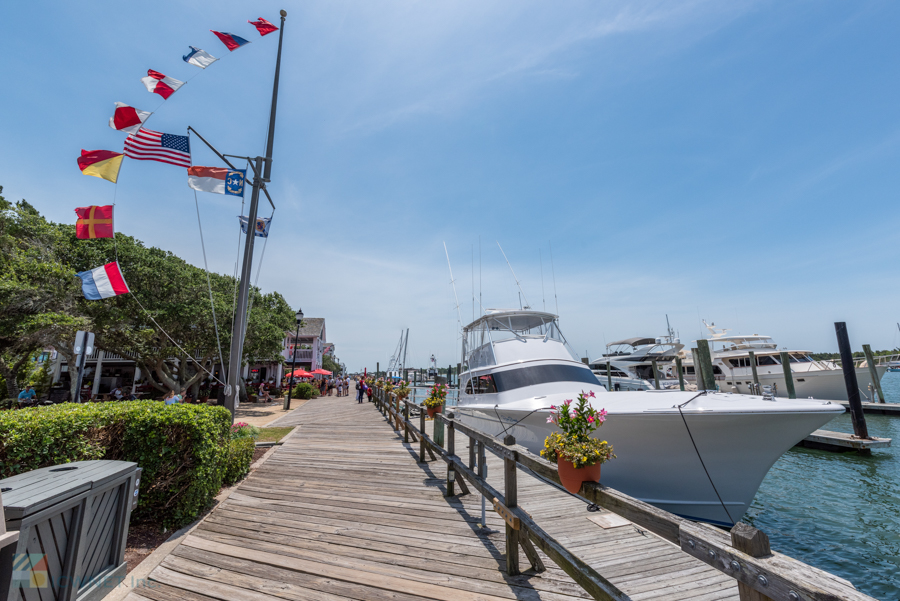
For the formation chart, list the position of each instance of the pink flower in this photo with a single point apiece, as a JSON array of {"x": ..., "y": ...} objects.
[
  {"x": 567, "y": 402},
  {"x": 591, "y": 394},
  {"x": 590, "y": 419},
  {"x": 550, "y": 420},
  {"x": 603, "y": 413},
  {"x": 553, "y": 406}
]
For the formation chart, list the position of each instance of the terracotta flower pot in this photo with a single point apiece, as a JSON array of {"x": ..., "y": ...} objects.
[
  {"x": 572, "y": 477},
  {"x": 433, "y": 410}
]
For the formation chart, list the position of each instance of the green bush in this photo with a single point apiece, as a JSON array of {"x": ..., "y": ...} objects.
[
  {"x": 183, "y": 449},
  {"x": 305, "y": 390},
  {"x": 237, "y": 462}
]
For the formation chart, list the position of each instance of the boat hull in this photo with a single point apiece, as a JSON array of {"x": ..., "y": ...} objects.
[
  {"x": 818, "y": 384},
  {"x": 659, "y": 452}
]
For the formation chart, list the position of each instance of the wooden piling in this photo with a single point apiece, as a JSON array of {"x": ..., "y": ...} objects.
[
  {"x": 422, "y": 437},
  {"x": 753, "y": 369},
  {"x": 755, "y": 543},
  {"x": 680, "y": 371},
  {"x": 709, "y": 378},
  {"x": 856, "y": 411},
  {"x": 873, "y": 373},
  {"x": 788, "y": 374},
  {"x": 511, "y": 497},
  {"x": 451, "y": 450},
  {"x": 609, "y": 376},
  {"x": 655, "y": 374}
]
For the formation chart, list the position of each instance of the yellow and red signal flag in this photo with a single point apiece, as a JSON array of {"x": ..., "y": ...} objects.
[
  {"x": 94, "y": 222},
  {"x": 127, "y": 118},
  {"x": 101, "y": 163}
]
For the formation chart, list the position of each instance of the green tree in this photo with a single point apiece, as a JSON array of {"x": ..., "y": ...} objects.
[
  {"x": 330, "y": 364},
  {"x": 37, "y": 290}
]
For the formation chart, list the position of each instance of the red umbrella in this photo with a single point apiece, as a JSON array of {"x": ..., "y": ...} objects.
[
  {"x": 300, "y": 373},
  {"x": 320, "y": 371}
]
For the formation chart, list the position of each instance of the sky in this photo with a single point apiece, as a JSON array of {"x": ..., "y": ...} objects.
[{"x": 728, "y": 161}]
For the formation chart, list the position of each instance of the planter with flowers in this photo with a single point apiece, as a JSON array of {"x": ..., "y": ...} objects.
[
  {"x": 402, "y": 389},
  {"x": 577, "y": 455},
  {"x": 437, "y": 396}
]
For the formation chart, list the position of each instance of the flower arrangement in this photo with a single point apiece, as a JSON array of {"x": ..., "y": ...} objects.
[
  {"x": 437, "y": 396},
  {"x": 574, "y": 443},
  {"x": 388, "y": 386},
  {"x": 379, "y": 383},
  {"x": 402, "y": 389},
  {"x": 243, "y": 430}
]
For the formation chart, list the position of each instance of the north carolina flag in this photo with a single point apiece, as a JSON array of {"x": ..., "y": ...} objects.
[
  {"x": 158, "y": 83},
  {"x": 199, "y": 58},
  {"x": 100, "y": 163},
  {"x": 127, "y": 118},
  {"x": 94, "y": 222},
  {"x": 231, "y": 41},
  {"x": 263, "y": 26},
  {"x": 218, "y": 180},
  {"x": 103, "y": 282},
  {"x": 262, "y": 225}
]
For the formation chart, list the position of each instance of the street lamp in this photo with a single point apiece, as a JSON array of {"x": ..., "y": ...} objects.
[{"x": 287, "y": 399}]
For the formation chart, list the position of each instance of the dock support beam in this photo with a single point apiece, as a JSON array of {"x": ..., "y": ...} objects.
[
  {"x": 788, "y": 374},
  {"x": 609, "y": 377},
  {"x": 873, "y": 373},
  {"x": 856, "y": 411},
  {"x": 655, "y": 374}
]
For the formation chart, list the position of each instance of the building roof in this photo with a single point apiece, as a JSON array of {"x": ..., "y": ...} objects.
[{"x": 312, "y": 326}]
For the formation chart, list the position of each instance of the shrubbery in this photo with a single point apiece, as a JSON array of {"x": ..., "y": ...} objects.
[
  {"x": 305, "y": 390},
  {"x": 186, "y": 451}
]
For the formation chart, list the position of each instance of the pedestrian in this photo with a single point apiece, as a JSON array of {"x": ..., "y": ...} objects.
[
  {"x": 359, "y": 391},
  {"x": 340, "y": 387},
  {"x": 369, "y": 392},
  {"x": 330, "y": 386},
  {"x": 171, "y": 398},
  {"x": 27, "y": 395},
  {"x": 346, "y": 385},
  {"x": 264, "y": 393}
]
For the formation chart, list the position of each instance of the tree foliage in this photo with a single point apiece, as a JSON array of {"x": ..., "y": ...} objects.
[{"x": 167, "y": 323}]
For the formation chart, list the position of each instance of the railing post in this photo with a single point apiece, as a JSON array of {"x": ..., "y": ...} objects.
[
  {"x": 709, "y": 376},
  {"x": 510, "y": 493},
  {"x": 422, "y": 435},
  {"x": 755, "y": 543},
  {"x": 451, "y": 449},
  {"x": 405, "y": 421}
]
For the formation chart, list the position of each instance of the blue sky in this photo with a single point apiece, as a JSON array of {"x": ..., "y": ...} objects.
[{"x": 733, "y": 161}]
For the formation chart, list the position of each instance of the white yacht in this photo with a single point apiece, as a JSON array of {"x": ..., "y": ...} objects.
[
  {"x": 680, "y": 451},
  {"x": 815, "y": 379},
  {"x": 631, "y": 360}
]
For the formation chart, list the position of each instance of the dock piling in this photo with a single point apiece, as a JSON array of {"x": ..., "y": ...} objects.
[
  {"x": 873, "y": 373},
  {"x": 856, "y": 411},
  {"x": 709, "y": 377},
  {"x": 753, "y": 368},
  {"x": 655, "y": 374},
  {"x": 680, "y": 371},
  {"x": 609, "y": 376},
  {"x": 788, "y": 374}
]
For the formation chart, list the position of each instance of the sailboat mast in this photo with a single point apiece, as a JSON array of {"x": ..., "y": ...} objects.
[{"x": 262, "y": 168}]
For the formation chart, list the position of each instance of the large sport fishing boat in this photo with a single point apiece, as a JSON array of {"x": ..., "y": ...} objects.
[
  {"x": 680, "y": 451},
  {"x": 812, "y": 379}
]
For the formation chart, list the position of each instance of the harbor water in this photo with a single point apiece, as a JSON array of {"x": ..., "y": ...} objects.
[
  {"x": 840, "y": 511},
  {"x": 837, "y": 511}
]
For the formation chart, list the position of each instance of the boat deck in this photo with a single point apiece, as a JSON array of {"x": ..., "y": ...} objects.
[{"x": 342, "y": 510}]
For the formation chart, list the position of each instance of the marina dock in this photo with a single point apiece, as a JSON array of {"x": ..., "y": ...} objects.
[
  {"x": 876, "y": 408},
  {"x": 344, "y": 509},
  {"x": 827, "y": 440}
]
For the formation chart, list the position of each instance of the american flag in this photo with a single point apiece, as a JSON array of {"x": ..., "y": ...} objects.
[{"x": 148, "y": 145}]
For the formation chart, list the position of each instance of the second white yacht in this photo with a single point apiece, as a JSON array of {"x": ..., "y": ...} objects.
[{"x": 698, "y": 455}]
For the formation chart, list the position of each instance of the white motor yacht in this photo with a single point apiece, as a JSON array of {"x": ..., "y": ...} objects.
[
  {"x": 699, "y": 455},
  {"x": 630, "y": 363},
  {"x": 815, "y": 379}
]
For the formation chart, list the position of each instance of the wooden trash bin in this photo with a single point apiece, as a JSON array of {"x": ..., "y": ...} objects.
[{"x": 73, "y": 525}]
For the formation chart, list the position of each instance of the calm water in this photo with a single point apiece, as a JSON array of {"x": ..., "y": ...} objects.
[
  {"x": 840, "y": 512},
  {"x": 837, "y": 511}
]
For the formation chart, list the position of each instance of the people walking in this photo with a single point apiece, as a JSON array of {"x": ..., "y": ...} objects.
[
  {"x": 340, "y": 387},
  {"x": 359, "y": 391}
]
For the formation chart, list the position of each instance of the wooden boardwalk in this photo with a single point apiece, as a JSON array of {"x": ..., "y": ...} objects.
[{"x": 343, "y": 511}]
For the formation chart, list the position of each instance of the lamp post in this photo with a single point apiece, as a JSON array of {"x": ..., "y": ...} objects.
[{"x": 287, "y": 399}]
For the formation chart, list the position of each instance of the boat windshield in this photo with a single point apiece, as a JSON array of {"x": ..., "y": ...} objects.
[
  {"x": 497, "y": 326},
  {"x": 539, "y": 374}
]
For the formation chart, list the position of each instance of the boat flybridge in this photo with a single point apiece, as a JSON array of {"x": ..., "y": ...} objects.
[
  {"x": 701, "y": 455},
  {"x": 630, "y": 363},
  {"x": 812, "y": 379}
]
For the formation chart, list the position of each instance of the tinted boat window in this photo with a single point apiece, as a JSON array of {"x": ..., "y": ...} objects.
[{"x": 542, "y": 374}]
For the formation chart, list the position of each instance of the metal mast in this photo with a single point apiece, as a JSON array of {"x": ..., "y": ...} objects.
[{"x": 261, "y": 175}]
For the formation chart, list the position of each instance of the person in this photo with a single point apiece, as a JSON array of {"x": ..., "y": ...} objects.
[
  {"x": 117, "y": 392},
  {"x": 359, "y": 391},
  {"x": 323, "y": 386},
  {"x": 340, "y": 387},
  {"x": 330, "y": 386},
  {"x": 364, "y": 391},
  {"x": 264, "y": 393},
  {"x": 27, "y": 395},
  {"x": 346, "y": 385},
  {"x": 132, "y": 396},
  {"x": 171, "y": 398},
  {"x": 369, "y": 392}
]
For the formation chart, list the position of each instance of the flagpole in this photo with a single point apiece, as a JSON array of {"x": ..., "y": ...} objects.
[{"x": 235, "y": 358}]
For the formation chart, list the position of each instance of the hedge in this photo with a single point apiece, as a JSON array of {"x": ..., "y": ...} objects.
[
  {"x": 305, "y": 390},
  {"x": 186, "y": 451}
]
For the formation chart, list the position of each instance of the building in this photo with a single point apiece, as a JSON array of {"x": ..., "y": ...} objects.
[{"x": 307, "y": 348}]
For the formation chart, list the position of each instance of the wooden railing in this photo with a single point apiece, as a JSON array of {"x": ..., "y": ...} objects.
[{"x": 742, "y": 554}]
